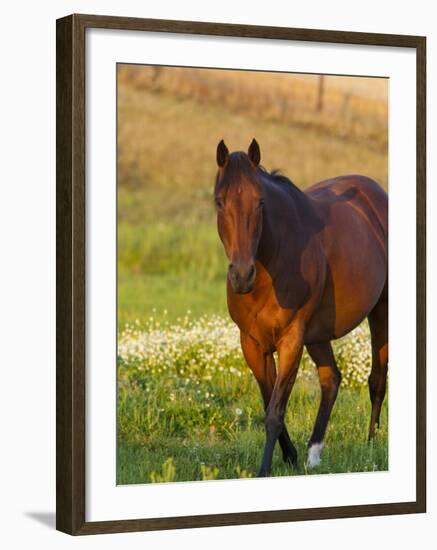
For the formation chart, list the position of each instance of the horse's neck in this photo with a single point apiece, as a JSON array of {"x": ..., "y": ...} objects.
[{"x": 288, "y": 222}]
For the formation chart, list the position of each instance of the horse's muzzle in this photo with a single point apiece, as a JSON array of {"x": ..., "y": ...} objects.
[{"x": 242, "y": 277}]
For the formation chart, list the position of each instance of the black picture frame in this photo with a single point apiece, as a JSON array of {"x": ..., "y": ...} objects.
[{"x": 71, "y": 280}]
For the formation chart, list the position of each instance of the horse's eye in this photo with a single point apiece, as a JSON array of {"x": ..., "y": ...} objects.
[
  {"x": 219, "y": 203},
  {"x": 261, "y": 203}
]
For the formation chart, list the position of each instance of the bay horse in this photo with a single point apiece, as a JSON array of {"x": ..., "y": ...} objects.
[{"x": 306, "y": 267}]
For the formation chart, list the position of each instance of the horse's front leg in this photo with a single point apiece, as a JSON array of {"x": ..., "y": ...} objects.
[
  {"x": 263, "y": 367},
  {"x": 290, "y": 352}
]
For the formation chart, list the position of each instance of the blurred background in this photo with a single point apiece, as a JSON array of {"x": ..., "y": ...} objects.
[{"x": 170, "y": 119}]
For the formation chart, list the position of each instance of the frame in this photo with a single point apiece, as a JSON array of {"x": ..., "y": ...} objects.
[{"x": 71, "y": 275}]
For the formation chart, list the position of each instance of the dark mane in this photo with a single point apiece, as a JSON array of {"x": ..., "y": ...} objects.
[{"x": 277, "y": 177}]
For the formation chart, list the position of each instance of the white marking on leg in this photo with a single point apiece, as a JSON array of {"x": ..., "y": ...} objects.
[{"x": 314, "y": 455}]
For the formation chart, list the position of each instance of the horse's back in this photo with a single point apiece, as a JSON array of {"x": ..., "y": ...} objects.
[{"x": 358, "y": 191}]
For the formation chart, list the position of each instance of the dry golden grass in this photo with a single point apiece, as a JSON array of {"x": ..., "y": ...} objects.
[
  {"x": 168, "y": 141},
  {"x": 353, "y": 108}
]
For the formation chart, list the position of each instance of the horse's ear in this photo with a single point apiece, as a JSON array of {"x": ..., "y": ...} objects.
[
  {"x": 254, "y": 153},
  {"x": 222, "y": 154}
]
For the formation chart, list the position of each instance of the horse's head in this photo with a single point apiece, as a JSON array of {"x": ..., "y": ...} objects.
[{"x": 239, "y": 202}]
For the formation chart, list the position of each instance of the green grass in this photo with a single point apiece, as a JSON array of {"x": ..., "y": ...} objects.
[
  {"x": 140, "y": 295},
  {"x": 151, "y": 432},
  {"x": 170, "y": 266},
  {"x": 186, "y": 396}
]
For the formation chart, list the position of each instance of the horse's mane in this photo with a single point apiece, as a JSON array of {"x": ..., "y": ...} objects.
[{"x": 277, "y": 177}]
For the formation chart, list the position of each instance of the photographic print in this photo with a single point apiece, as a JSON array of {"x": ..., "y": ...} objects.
[
  {"x": 226, "y": 293},
  {"x": 252, "y": 274}
]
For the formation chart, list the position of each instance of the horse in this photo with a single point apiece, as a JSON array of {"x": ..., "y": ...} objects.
[{"x": 305, "y": 268}]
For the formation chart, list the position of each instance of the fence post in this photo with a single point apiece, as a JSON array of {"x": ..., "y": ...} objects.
[{"x": 320, "y": 93}]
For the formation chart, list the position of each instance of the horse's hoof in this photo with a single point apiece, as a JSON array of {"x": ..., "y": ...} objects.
[
  {"x": 263, "y": 473},
  {"x": 314, "y": 455}
]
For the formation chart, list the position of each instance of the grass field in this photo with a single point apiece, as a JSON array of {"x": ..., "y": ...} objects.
[
  {"x": 190, "y": 408},
  {"x": 179, "y": 416},
  {"x": 197, "y": 451}
]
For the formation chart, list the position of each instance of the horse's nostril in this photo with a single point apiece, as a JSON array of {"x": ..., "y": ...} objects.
[{"x": 241, "y": 277}]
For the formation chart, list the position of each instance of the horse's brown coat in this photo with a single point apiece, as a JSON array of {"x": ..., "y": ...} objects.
[{"x": 305, "y": 268}]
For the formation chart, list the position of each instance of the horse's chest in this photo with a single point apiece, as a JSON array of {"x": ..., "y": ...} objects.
[{"x": 265, "y": 323}]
